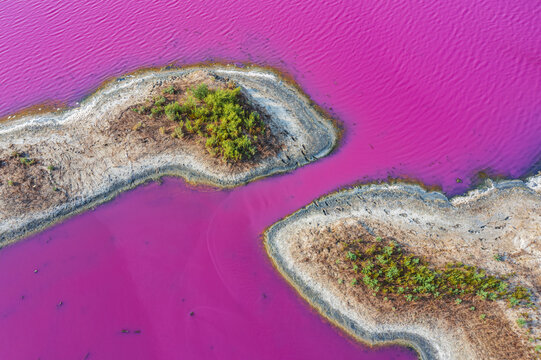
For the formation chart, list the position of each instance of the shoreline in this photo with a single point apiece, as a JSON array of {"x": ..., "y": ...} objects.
[
  {"x": 371, "y": 206},
  {"x": 342, "y": 322},
  {"x": 97, "y": 168}
]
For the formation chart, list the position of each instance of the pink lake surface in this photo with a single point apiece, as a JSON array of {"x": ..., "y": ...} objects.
[
  {"x": 431, "y": 91},
  {"x": 144, "y": 262}
]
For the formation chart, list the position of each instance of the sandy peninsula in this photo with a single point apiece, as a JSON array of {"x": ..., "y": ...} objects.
[
  {"x": 55, "y": 164},
  {"x": 496, "y": 228}
]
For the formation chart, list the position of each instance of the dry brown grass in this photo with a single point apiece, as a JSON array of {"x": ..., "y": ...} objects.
[
  {"x": 27, "y": 187},
  {"x": 491, "y": 334}
]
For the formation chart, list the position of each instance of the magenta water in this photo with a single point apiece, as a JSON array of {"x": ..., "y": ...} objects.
[
  {"x": 163, "y": 272},
  {"x": 430, "y": 91}
]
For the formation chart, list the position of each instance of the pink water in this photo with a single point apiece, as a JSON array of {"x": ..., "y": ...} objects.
[
  {"x": 145, "y": 262},
  {"x": 431, "y": 91}
]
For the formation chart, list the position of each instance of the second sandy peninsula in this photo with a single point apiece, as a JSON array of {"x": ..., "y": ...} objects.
[{"x": 454, "y": 278}]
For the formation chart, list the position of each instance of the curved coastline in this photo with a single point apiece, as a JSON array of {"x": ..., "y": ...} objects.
[
  {"x": 401, "y": 206},
  {"x": 93, "y": 170}
]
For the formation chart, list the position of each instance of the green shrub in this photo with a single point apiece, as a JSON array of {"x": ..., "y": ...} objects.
[
  {"x": 201, "y": 91},
  {"x": 173, "y": 111},
  {"x": 160, "y": 101},
  {"x": 169, "y": 90},
  {"x": 219, "y": 116},
  {"x": 189, "y": 127},
  {"x": 229, "y": 128},
  {"x": 156, "y": 110},
  {"x": 178, "y": 132},
  {"x": 27, "y": 161},
  {"x": 388, "y": 269}
]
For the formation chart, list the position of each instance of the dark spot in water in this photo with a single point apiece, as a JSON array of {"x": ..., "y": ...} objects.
[
  {"x": 86, "y": 356},
  {"x": 137, "y": 332},
  {"x": 60, "y": 304},
  {"x": 22, "y": 297},
  {"x": 192, "y": 313},
  {"x": 125, "y": 331},
  {"x": 264, "y": 296}
]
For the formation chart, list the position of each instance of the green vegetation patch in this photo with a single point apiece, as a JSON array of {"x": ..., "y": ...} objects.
[
  {"x": 23, "y": 158},
  {"x": 220, "y": 117},
  {"x": 384, "y": 267}
]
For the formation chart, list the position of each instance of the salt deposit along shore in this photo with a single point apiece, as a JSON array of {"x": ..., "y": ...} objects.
[
  {"x": 496, "y": 228},
  {"x": 74, "y": 159}
]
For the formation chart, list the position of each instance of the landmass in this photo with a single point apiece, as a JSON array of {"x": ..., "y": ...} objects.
[
  {"x": 453, "y": 278},
  {"x": 218, "y": 125}
]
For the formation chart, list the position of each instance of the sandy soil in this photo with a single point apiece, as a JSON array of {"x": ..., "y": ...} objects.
[
  {"x": 498, "y": 219},
  {"x": 85, "y": 155}
]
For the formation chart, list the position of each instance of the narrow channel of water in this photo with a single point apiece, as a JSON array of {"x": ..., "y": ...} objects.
[{"x": 431, "y": 91}]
